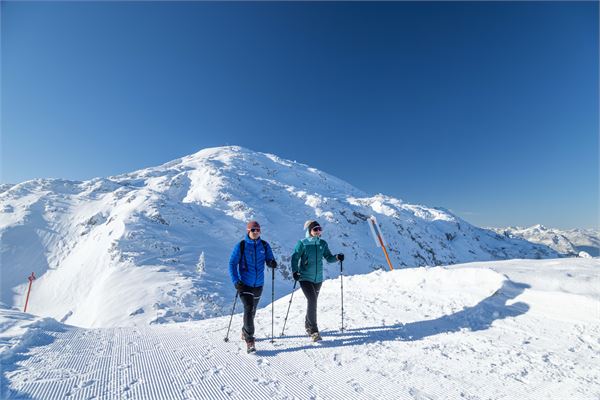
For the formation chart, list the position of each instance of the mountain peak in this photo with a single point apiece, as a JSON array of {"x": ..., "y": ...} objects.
[{"x": 217, "y": 151}]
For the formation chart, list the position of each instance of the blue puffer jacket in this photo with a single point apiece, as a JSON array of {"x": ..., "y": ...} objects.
[{"x": 250, "y": 269}]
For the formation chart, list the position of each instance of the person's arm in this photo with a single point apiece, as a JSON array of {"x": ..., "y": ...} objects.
[
  {"x": 297, "y": 256},
  {"x": 234, "y": 262},
  {"x": 269, "y": 257}
]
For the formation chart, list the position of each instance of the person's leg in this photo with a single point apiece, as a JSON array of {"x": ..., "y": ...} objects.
[
  {"x": 310, "y": 321},
  {"x": 250, "y": 300},
  {"x": 317, "y": 288},
  {"x": 257, "y": 293}
]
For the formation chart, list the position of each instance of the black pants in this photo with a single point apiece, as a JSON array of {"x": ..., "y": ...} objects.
[
  {"x": 311, "y": 291},
  {"x": 250, "y": 297}
]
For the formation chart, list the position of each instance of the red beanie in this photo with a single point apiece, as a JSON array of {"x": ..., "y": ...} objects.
[{"x": 252, "y": 224}]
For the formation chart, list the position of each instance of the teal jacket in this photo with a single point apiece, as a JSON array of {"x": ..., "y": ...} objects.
[{"x": 308, "y": 258}]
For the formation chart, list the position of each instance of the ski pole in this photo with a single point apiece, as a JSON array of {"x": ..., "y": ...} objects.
[
  {"x": 272, "y": 304},
  {"x": 289, "y": 305},
  {"x": 31, "y": 278},
  {"x": 231, "y": 318},
  {"x": 342, "y": 289}
]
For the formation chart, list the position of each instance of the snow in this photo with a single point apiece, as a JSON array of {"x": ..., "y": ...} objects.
[
  {"x": 524, "y": 329},
  {"x": 124, "y": 250}
]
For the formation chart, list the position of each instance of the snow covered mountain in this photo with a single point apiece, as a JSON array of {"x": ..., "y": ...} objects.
[
  {"x": 570, "y": 242},
  {"x": 152, "y": 246}
]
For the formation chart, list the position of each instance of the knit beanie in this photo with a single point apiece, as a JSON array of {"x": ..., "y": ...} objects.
[
  {"x": 252, "y": 224},
  {"x": 310, "y": 224}
]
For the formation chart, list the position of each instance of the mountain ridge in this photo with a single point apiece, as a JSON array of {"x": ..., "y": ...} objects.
[{"x": 571, "y": 242}]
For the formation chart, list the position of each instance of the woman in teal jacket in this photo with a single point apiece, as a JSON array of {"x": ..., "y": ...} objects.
[{"x": 307, "y": 267}]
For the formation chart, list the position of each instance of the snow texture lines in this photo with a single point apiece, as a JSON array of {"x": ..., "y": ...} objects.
[{"x": 477, "y": 331}]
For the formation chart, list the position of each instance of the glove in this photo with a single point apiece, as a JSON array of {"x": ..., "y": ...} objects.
[
  {"x": 340, "y": 257},
  {"x": 272, "y": 264},
  {"x": 239, "y": 285},
  {"x": 296, "y": 275}
]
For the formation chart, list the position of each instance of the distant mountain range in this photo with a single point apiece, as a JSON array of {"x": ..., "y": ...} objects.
[{"x": 570, "y": 242}]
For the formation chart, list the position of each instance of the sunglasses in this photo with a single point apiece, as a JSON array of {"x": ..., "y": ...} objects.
[
  {"x": 317, "y": 229},
  {"x": 255, "y": 230}
]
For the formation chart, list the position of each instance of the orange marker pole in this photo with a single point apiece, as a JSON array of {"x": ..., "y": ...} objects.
[
  {"x": 378, "y": 237},
  {"x": 31, "y": 279},
  {"x": 387, "y": 257}
]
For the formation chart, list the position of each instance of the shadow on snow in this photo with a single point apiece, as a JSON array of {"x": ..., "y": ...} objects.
[{"x": 476, "y": 318}]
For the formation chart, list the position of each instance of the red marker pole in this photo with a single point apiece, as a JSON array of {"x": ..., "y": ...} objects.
[{"x": 31, "y": 279}]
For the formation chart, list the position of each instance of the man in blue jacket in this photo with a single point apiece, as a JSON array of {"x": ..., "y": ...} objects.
[{"x": 247, "y": 271}]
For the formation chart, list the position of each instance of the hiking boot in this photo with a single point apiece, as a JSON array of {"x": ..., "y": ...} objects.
[
  {"x": 250, "y": 346},
  {"x": 315, "y": 336}
]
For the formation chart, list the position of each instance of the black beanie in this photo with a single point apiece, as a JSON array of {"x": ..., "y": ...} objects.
[{"x": 312, "y": 225}]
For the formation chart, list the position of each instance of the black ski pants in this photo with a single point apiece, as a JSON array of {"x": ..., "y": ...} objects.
[
  {"x": 250, "y": 297},
  {"x": 311, "y": 291}
]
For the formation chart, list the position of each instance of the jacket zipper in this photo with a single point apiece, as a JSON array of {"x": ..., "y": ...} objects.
[
  {"x": 255, "y": 266},
  {"x": 316, "y": 263}
]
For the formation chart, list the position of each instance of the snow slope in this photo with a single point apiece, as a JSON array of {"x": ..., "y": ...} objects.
[
  {"x": 518, "y": 329},
  {"x": 152, "y": 246},
  {"x": 570, "y": 242}
]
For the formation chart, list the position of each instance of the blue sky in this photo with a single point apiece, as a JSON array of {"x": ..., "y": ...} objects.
[{"x": 487, "y": 109}]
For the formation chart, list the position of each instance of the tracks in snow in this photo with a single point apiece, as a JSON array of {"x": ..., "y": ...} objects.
[{"x": 170, "y": 362}]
